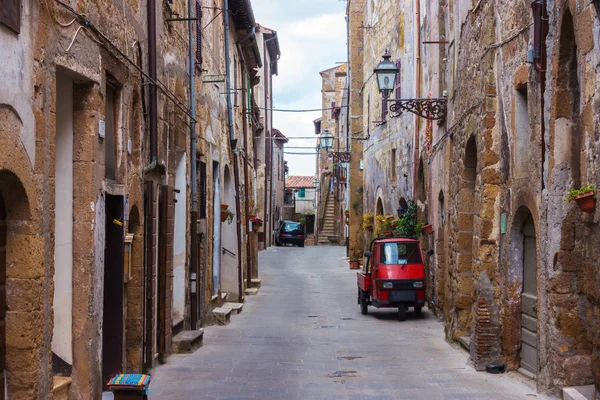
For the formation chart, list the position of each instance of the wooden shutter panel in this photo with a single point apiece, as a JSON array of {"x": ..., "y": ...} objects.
[
  {"x": 10, "y": 14},
  {"x": 199, "y": 33}
]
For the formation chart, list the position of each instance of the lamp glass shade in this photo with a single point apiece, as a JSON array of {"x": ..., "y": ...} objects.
[
  {"x": 386, "y": 75},
  {"x": 326, "y": 140}
]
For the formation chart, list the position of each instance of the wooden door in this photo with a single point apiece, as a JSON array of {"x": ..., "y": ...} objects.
[
  {"x": 3, "y": 237},
  {"x": 112, "y": 325},
  {"x": 529, "y": 345}
]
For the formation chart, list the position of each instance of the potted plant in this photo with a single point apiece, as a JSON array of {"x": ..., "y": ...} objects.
[
  {"x": 230, "y": 216},
  {"x": 385, "y": 225},
  {"x": 256, "y": 223},
  {"x": 224, "y": 207},
  {"x": 252, "y": 216},
  {"x": 406, "y": 225},
  {"x": 427, "y": 229},
  {"x": 584, "y": 197},
  {"x": 367, "y": 223},
  {"x": 354, "y": 263},
  {"x": 347, "y": 213}
]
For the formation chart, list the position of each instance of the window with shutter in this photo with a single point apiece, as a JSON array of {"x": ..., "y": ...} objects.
[
  {"x": 198, "y": 34},
  {"x": 397, "y": 91},
  {"x": 202, "y": 191},
  {"x": 10, "y": 14}
]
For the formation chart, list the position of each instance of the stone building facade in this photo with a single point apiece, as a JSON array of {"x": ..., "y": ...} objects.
[
  {"x": 513, "y": 268},
  {"x": 96, "y": 207}
]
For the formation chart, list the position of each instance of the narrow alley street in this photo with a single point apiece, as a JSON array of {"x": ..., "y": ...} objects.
[{"x": 303, "y": 337}]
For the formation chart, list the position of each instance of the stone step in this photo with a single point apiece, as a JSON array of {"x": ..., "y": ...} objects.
[
  {"x": 251, "y": 291},
  {"x": 465, "y": 342},
  {"x": 178, "y": 325},
  {"x": 60, "y": 387},
  {"x": 255, "y": 283},
  {"x": 187, "y": 341},
  {"x": 223, "y": 296},
  {"x": 579, "y": 393},
  {"x": 222, "y": 315},
  {"x": 235, "y": 308}
]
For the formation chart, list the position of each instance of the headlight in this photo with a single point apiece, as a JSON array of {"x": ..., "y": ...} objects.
[
  {"x": 388, "y": 285},
  {"x": 418, "y": 284}
]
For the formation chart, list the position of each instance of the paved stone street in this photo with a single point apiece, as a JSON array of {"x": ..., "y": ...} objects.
[{"x": 303, "y": 337}]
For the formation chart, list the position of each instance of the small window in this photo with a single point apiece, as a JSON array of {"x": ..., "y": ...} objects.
[
  {"x": 110, "y": 141},
  {"x": 202, "y": 191},
  {"x": 301, "y": 193},
  {"x": 10, "y": 14},
  {"x": 397, "y": 87},
  {"x": 393, "y": 164}
]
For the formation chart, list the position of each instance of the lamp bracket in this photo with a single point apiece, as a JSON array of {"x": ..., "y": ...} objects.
[
  {"x": 431, "y": 109},
  {"x": 341, "y": 156}
]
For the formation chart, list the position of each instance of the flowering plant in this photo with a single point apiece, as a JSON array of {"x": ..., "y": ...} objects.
[{"x": 257, "y": 221}]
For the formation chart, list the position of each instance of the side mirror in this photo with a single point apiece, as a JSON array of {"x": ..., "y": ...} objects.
[{"x": 367, "y": 254}]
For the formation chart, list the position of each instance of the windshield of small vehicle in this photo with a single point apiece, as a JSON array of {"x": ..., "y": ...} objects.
[
  {"x": 399, "y": 254},
  {"x": 292, "y": 227}
]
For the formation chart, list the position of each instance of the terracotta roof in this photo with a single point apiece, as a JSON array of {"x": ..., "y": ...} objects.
[{"x": 298, "y": 182}]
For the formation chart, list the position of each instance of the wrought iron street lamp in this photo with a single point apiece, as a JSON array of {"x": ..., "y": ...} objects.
[
  {"x": 386, "y": 73},
  {"x": 432, "y": 109},
  {"x": 326, "y": 140},
  {"x": 401, "y": 210}
]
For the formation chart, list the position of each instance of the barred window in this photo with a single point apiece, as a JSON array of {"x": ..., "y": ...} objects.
[{"x": 199, "y": 34}]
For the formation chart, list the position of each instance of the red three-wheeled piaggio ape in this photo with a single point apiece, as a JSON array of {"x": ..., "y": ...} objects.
[{"x": 394, "y": 276}]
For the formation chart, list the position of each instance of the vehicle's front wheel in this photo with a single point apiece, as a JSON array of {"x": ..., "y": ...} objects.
[
  {"x": 301, "y": 244},
  {"x": 364, "y": 307},
  {"x": 277, "y": 243},
  {"x": 418, "y": 310},
  {"x": 402, "y": 313}
]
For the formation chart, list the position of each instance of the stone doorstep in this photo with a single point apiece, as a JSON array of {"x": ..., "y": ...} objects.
[
  {"x": 580, "y": 393},
  {"x": 255, "y": 283},
  {"x": 187, "y": 341},
  {"x": 465, "y": 342},
  {"x": 235, "y": 308},
  {"x": 60, "y": 387},
  {"x": 178, "y": 325},
  {"x": 223, "y": 296},
  {"x": 222, "y": 315},
  {"x": 527, "y": 374},
  {"x": 251, "y": 291}
]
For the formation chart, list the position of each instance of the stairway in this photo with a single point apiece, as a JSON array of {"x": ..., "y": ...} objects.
[{"x": 327, "y": 234}]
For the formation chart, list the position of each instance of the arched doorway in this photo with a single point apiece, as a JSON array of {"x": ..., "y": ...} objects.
[
  {"x": 522, "y": 273},
  {"x": 379, "y": 208},
  {"x": 466, "y": 214}
]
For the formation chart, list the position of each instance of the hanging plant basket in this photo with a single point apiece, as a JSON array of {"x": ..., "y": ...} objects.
[
  {"x": 427, "y": 229},
  {"x": 587, "y": 202},
  {"x": 224, "y": 215},
  {"x": 224, "y": 207}
]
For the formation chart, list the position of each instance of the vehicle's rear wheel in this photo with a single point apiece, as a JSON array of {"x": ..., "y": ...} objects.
[
  {"x": 277, "y": 243},
  {"x": 402, "y": 313},
  {"x": 301, "y": 244},
  {"x": 364, "y": 307},
  {"x": 418, "y": 310}
]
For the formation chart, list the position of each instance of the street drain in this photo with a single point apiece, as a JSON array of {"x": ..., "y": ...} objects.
[
  {"x": 347, "y": 319},
  {"x": 313, "y": 316},
  {"x": 329, "y": 326},
  {"x": 340, "y": 374},
  {"x": 349, "y": 358}
]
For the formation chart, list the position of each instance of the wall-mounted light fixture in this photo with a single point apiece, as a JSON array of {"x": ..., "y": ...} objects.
[
  {"x": 326, "y": 140},
  {"x": 432, "y": 109}
]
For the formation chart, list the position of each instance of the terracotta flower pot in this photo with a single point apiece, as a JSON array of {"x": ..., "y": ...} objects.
[
  {"x": 354, "y": 265},
  {"x": 252, "y": 216},
  {"x": 427, "y": 229},
  {"x": 224, "y": 215},
  {"x": 224, "y": 207},
  {"x": 586, "y": 202}
]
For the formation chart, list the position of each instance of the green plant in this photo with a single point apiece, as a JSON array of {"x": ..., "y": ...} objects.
[
  {"x": 356, "y": 205},
  {"x": 419, "y": 228},
  {"x": 353, "y": 259},
  {"x": 230, "y": 216},
  {"x": 367, "y": 221},
  {"x": 302, "y": 221},
  {"x": 573, "y": 193},
  {"x": 406, "y": 225}
]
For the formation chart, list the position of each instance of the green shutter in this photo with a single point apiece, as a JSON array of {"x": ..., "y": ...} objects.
[{"x": 301, "y": 193}]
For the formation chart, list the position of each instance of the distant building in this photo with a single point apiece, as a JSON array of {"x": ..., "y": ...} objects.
[{"x": 301, "y": 200}]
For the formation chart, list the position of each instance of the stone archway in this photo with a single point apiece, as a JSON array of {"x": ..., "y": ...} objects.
[
  {"x": 464, "y": 278},
  {"x": 522, "y": 292},
  {"x": 21, "y": 276}
]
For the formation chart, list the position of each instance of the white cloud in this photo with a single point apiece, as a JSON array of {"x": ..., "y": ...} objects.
[{"x": 312, "y": 38}]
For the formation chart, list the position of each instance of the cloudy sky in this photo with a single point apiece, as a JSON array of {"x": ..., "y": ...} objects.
[{"x": 312, "y": 37}]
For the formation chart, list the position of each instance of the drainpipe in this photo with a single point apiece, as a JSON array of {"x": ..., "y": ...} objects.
[
  {"x": 152, "y": 85},
  {"x": 418, "y": 96},
  {"x": 267, "y": 72},
  {"x": 232, "y": 143},
  {"x": 194, "y": 175},
  {"x": 246, "y": 181}
]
